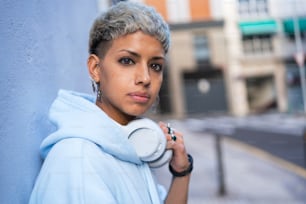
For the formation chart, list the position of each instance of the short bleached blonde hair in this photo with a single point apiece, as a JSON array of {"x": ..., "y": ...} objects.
[{"x": 125, "y": 18}]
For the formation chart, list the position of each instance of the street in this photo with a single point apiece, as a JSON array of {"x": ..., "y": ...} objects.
[{"x": 251, "y": 175}]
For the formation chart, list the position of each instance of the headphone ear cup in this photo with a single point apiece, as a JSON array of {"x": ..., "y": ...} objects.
[
  {"x": 149, "y": 142},
  {"x": 162, "y": 160}
]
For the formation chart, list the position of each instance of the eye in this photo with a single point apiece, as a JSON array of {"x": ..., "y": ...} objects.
[
  {"x": 157, "y": 67},
  {"x": 126, "y": 61}
]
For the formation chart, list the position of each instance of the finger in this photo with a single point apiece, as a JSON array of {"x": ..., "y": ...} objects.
[
  {"x": 164, "y": 127},
  {"x": 176, "y": 143}
]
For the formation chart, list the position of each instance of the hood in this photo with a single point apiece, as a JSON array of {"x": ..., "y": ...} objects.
[{"x": 76, "y": 115}]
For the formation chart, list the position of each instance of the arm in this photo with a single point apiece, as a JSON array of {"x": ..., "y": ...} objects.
[
  {"x": 178, "y": 192},
  {"x": 180, "y": 163}
]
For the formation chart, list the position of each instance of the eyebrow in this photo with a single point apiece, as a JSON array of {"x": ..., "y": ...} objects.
[{"x": 138, "y": 55}]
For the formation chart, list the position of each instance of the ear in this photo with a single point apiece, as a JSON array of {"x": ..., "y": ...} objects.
[{"x": 93, "y": 67}]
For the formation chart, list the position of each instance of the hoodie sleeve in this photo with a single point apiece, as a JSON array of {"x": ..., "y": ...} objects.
[{"x": 66, "y": 178}]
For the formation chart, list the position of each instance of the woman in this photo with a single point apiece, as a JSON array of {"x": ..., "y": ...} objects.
[{"x": 89, "y": 159}]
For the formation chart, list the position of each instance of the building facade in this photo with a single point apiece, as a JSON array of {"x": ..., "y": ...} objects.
[
  {"x": 261, "y": 48},
  {"x": 233, "y": 56},
  {"x": 194, "y": 77}
]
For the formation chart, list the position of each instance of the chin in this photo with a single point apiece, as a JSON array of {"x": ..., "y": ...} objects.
[
  {"x": 137, "y": 109},
  {"x": 136, "y": 113}
]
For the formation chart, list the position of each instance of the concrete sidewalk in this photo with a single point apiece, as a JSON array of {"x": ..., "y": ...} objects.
[{"x": 251, "y": 175}]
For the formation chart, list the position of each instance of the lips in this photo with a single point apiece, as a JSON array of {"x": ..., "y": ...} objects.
[{"x": 140, "y": 97}]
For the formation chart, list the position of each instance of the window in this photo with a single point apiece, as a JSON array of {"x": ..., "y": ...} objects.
[
  {"x": 257, "y": 45},
  {"x": 262, "y": 7},
  {"x": 178, "y": 10},
  {"x": 291, "y": 36},
  {"x": 250, "y": 8},
  {"x": 201, "y": 49},
  {"x": 243, "y": 7}
]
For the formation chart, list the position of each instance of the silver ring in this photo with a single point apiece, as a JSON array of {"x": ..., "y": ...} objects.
[
  {"x": 173, "y": 137},
  {"x": 171, "y": 132}
]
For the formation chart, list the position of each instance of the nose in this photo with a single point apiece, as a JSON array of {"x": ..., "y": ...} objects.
[{"x": 143, "y": 75}]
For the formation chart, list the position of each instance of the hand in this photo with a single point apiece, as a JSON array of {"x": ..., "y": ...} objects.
[{"x": 179, "y": 161}]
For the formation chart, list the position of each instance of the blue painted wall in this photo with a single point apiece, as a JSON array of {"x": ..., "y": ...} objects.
[{"x": 43, "y": 47}]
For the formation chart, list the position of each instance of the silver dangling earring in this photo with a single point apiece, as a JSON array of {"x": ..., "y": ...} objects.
[
  {"x": 99, "y": 95},
  {"x": 93, "y": 85},
  {"x": 96, "y": 88},
  {"x": 99, "y": 92}
]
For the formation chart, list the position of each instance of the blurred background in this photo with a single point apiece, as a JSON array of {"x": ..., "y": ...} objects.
[
  {"x": 233, "y": 56},
  {"x": 235, "y": 83}
]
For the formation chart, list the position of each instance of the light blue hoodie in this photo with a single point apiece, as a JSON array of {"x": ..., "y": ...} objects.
[{"x": 89, "y": 159}]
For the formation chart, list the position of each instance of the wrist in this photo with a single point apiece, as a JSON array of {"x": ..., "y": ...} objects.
[{"x": 185, "y": 172}]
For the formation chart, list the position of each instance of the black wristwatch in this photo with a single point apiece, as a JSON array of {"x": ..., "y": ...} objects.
[{"x": 183, "y": 173}]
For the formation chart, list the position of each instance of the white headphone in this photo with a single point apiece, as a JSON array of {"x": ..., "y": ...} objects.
[{"x": 149, "y": 141}]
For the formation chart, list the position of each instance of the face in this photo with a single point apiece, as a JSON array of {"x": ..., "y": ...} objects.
[{"x": 130, "y": 75}]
